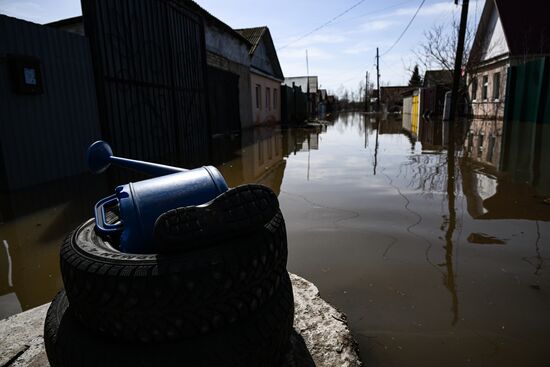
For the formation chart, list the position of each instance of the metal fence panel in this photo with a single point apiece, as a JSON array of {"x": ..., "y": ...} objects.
[
  {"x": 150, "y": 63},
  {"x": 43, "y": 137}
]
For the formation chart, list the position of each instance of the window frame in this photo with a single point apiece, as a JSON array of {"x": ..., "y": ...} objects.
[
  {"x": 485, "y": 88},
  {"x": 496, "y": 86},
  {"x": 258, "y": 97}
]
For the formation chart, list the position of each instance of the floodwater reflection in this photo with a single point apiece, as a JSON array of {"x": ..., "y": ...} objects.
[{"x": 434, "y": 260}]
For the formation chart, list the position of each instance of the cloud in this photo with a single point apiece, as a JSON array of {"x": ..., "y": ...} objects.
[
  {"x": 429, "y": 10},
  {"x": 378, "y": 25},
  {"x": 300, "y": 53},
  {"x": 314, "y": 39},
  {"x": 359, "y": 48},
  {"x": 28, "y": 10}
]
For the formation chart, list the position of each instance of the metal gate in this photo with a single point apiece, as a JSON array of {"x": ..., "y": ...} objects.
[
  {"x": 223, "y": 106},
  {"x": 150, "y": 68}
]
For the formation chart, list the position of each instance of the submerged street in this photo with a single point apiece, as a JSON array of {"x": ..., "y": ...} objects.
[{"x": 455, "y": 279}]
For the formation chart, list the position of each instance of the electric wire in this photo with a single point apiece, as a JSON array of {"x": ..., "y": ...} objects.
[
  {"x": 324, "y": 24},
  {"x": 406, "y": 29},
  {"x": 333, "y": 20}
]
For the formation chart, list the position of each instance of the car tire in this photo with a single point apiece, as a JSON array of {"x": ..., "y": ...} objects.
[
  {"x": 176, "y": 295},
  {"x": 257, "y": 341}
]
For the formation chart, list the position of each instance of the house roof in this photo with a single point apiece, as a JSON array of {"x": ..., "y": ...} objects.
[
  {"x": 189, "y": 3},
  {"x": 525, "y": 25},
  {"x": 438, "y": 77},
  {"x": 212, "y": 19},
  {"x": 65, "y": 22},
  {"x": 253, "y": 35}
]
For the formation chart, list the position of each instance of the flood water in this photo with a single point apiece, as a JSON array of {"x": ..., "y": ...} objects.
[{"x": 428, "y": 270}]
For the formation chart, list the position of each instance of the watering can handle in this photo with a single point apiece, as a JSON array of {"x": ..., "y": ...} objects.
[
  {"x": 100, "y": 157},
  {"x": 100, "y": 222}
]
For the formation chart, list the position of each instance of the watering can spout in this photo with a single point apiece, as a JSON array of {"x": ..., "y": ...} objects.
[{"x": 100, "y": 157}]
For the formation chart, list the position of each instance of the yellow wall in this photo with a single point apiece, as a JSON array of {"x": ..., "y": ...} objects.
[{"x": 415, "y": 115}]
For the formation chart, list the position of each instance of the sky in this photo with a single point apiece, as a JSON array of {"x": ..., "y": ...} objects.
[{"x": 339, "y": 53}]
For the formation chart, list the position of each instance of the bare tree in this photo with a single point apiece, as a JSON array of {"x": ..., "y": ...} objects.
[{"x": 438, "y": 50}]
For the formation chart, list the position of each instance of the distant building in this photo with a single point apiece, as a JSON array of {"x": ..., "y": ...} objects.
[
  {"x": 302, "y": 81},
  {"x": 391, "y": 98},
  {"x": 266, "y": 76},
  {"x": 437, "y": 78},
  {"x": 310, "y": 86},
  {"x": 436, "y": 84}
]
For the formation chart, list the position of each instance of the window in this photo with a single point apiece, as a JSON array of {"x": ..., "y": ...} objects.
[
  {"x": 480, "y": 145},
  {"x": 474, "y": 89},
  {"x": 268, "y": 98},
  {"x": 485, "y": 87},
  {"x": 490, "y": 150},
  {"x": 275, "y": 98},
  {"x": 496, "y": 86},
  {"x": 258, "y": 96}
]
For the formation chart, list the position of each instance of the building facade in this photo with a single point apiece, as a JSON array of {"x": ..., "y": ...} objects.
[
  {"x": 266, "y": 76},
  {"x": 509, "y": 33}
]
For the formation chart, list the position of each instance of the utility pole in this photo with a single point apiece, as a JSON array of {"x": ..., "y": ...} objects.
[
  {"x": 378, "y": 80},
  {"x": 451, "y": 196},
  {"x": 307, "y": 87},
  {"x": 457, "y": 72},
  {"x": 367, "y": 91}
]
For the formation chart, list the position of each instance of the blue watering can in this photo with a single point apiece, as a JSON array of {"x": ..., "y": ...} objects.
[{"x": 141, "y": 203}]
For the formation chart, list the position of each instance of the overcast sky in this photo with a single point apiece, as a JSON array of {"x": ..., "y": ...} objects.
[{"x": 340, "y": 53}]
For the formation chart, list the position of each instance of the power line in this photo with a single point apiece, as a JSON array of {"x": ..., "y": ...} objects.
[
  {"x": 406, "y": 28},
  {"x": 333, "y": 20},
  {"x": 324, "y": 24},
  {"x": 373, "y": 12}
]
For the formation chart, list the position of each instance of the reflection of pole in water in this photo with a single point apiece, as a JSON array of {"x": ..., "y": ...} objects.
[
  {"x": 449, "y": 279},
  {"x": 365, "y": 124},
  {"x": 376, "y": 145},
  {"x": 308, "y": 155},
  {"x": 539, "y": 259}
]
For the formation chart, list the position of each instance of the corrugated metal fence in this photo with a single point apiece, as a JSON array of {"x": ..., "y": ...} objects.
[
  {"x": 44, "y": 136},
  {"x": 294, "y": 105},
  {"x": 526, "y": 141},
  {"x": 150, "y": 67}
]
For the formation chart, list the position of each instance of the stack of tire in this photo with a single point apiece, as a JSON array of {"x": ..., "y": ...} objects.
[{"x": 216, "y": 294}]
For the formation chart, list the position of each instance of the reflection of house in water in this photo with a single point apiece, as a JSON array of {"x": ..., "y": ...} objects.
[
  {"x": 260, "y": 159},
  {"x": 526, "y": 154},
  {"x": 431, "y": 134},
  {"x": 261, "y": 152},
  {"x": 303, "y": 140},
  {"x": 500, "y": 198},
  {"x": 391, "y": 126},
  {"x": 484, "y": 141}
]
